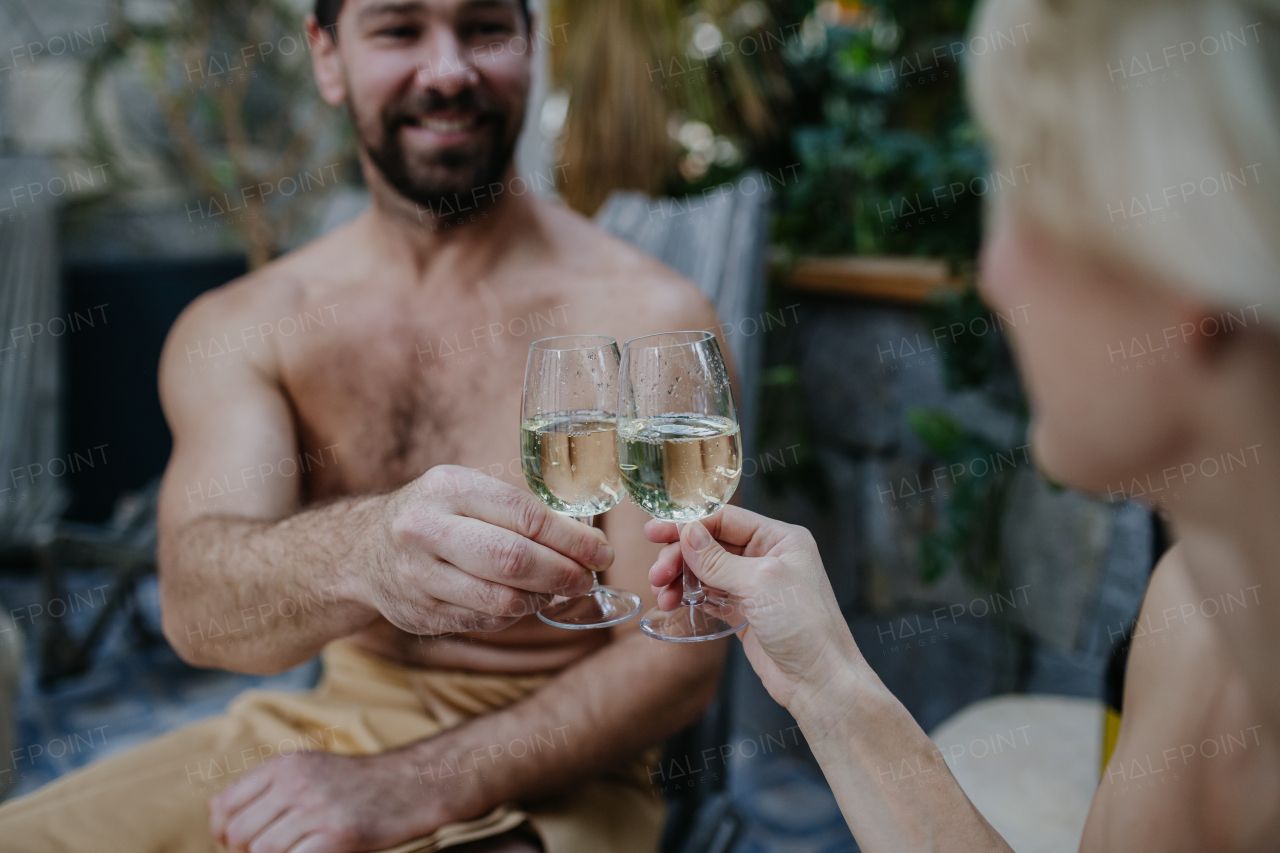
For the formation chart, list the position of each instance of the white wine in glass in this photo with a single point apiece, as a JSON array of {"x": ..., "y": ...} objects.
[
  {"x": 680, "y": 455},
  {"x": 683, "y": 466},
  {"x": 570, "y": 461},
  {"x": 568, "y": 443}
]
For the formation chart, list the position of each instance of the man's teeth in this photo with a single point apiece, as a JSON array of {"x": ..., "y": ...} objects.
[{"x": 441, "y": 125}]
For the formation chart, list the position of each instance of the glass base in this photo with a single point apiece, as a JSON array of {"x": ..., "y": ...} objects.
[
  {"x": 603, "y": 607},
  {"x": 696, "y": 623}
]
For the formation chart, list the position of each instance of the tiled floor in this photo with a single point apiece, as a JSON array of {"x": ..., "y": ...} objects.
[{"x": 131, "y": 694}]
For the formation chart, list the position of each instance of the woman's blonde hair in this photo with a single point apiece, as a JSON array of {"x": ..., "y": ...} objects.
[{"x": 1147, "y": 129}]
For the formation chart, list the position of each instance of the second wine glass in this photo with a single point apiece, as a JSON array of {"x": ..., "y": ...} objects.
[
  {"x": 680, "y": 452},
  {"x": 569, "y": 455}
]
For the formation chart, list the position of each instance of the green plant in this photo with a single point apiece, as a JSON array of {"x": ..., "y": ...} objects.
[
  {"x": 968, "y": 532},
  {"x": 967, "y": 535},
  {"x": 888, "y": 152},
  {"x": 783, "y": 423}
]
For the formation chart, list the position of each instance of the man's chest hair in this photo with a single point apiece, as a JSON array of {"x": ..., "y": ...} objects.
[{"x": 392, "y": 419}]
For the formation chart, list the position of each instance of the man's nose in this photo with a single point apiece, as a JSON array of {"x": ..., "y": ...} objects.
[{"x": 446, "y": 66}]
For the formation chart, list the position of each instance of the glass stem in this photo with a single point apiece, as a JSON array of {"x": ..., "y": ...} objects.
[
  {"x": 693, "y": 594},
  {"x": 589, "y": 520}
]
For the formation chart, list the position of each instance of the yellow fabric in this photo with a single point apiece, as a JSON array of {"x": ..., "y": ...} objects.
[
  {"x": 154, "y": 798},
  {"x": 1110, "y": 734}
]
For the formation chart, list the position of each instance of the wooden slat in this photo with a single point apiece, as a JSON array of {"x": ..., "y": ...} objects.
[{"x": 897, "y": 279}]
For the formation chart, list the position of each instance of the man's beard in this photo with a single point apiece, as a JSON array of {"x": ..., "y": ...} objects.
[{"x": 444, "y": 182}]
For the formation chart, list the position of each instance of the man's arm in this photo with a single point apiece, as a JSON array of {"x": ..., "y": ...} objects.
[
  {"x": 453, "y": 550},
  {"x": 588, "y": 719},
  {"x": 633, "y": 693}
]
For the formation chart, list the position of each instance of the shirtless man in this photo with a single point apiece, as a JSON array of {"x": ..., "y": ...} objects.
[{"x": 417, "y": 559}]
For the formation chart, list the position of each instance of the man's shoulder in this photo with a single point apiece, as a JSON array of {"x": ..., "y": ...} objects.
[
  {"x": 278, "y": 289},
  {"x": 651, "y": 291}
]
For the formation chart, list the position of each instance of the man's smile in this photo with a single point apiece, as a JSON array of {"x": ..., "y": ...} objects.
[{"x": 443, "y": 129}]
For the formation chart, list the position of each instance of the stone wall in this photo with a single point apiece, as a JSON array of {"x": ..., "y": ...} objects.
[{"x": 1074, "y": 567}]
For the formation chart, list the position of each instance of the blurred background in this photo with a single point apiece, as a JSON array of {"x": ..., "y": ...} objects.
[{"x": 821, "y": 154}]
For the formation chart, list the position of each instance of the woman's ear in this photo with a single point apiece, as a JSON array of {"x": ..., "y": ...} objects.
[
  {"x": 326, "y": 62},
  {"x": 1206, "y": 331}
]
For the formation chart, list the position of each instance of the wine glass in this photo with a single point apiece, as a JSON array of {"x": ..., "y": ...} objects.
[
  {"x": 680, "y": 455},
  {"x": 569, "y": 455}
]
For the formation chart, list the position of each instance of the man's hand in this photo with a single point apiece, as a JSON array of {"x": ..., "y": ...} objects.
[
  {"x": 319, "y": 802},
  {"x": 796, "y": 637},
  {"x": 467, "y": 552}
]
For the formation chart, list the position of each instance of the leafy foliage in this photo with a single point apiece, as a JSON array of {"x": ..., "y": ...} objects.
[
  {"x": 977, "y": 354},
  {"x": 969, "y": 523},
  {"x": 783, "y": 424},
  {"x": 968, "y": 531},
  {"x": 887, "y": 148}
]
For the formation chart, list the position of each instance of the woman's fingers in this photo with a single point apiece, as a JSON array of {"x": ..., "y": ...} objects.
[
  {"x": 667, "y": 567},
  {"x": 738, "y": 530},
  {"x": 666, "y": 573},
  {"x": 712, "y": 564},
  {"x": 666, "y": 577}
]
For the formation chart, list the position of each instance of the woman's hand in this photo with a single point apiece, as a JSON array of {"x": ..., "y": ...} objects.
[{"x": 797, "y": 639}]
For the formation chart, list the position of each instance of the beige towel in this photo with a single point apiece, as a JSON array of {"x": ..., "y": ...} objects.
[{"x": 154, "y": 798}]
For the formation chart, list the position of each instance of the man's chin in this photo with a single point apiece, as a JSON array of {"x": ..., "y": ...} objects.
[
  {"x": 447, "y": 193},
  {"x": 441, "y": 180}
]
